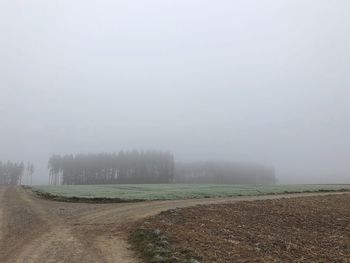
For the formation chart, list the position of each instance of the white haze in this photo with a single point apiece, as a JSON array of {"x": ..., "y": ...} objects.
[{"x": 260, "y": 81}]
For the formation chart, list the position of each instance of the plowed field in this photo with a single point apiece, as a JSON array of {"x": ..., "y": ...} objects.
[{"x": 304, "y": 229}]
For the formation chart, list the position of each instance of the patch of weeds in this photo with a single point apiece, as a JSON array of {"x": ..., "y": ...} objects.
[
  {"x": 154, "y": 247},
  {"x": 151, "y": 244}
]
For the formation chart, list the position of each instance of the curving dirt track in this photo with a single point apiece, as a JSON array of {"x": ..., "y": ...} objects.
[{"x": 38, "y": 230}]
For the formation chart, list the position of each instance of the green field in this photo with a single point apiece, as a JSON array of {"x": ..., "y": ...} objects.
[{"x": 174, "y": 191}]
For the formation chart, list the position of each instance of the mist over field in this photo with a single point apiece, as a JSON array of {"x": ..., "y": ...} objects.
[{"x": 262, "y": 82}]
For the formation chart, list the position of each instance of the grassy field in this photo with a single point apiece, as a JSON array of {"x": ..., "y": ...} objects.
[{"x": 174, "y": 191}]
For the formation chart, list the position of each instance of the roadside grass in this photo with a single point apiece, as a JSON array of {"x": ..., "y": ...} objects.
[
  {"x": 151, "y": 245},
  {"x": 147, "y": 192},
  {"x": 154, "y": 247}
]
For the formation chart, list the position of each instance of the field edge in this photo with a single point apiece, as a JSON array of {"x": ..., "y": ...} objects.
[{"x": 76, "y": 199}]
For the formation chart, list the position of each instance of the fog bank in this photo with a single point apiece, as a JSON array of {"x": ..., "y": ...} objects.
[{"x": 246, "y": 81}]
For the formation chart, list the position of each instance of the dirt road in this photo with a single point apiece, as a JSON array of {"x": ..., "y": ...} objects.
[{"x": 38, "y": 230}]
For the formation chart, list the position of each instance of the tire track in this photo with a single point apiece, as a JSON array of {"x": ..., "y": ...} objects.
[
  {"x": 2, "y": 191},
  {"x": 20, "y": 223},
  {"x": 33, "y": 234}
]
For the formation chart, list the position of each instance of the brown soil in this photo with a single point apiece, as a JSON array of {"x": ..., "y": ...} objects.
[
  {"x": 37, "y": 230},
  {"x": 307, "y": 229}
]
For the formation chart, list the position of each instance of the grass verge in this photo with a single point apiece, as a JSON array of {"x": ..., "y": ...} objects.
[{"x": 154, "y": 247}]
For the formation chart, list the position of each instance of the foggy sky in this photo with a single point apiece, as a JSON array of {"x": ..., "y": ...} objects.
[{"x": 260, "y": 81}]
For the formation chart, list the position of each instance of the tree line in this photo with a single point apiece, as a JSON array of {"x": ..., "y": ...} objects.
[
  {"x": 131, "y": 167},
  {"x": 126, "y": 167},
  {"x": 14, "y": 173},
  {"x": 216, "y": 172}
]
